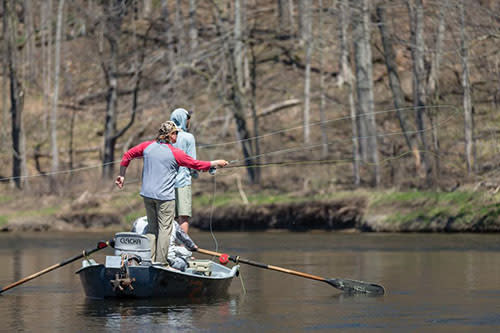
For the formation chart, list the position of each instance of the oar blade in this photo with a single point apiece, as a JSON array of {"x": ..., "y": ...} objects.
[{"x": 356, "y": 287}]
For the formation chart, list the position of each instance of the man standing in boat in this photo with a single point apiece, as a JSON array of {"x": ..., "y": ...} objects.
[
  {"x": 183, "y": 193},
  {"x": 160, "y": 166}
]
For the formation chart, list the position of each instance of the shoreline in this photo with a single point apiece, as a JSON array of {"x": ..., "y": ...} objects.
[{"x": 425, "y": 212}]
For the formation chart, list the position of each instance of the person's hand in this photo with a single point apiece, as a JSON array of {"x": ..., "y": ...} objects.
[
  {"x": 119, "y": 181},
  {"x": 220, "y": 163}
]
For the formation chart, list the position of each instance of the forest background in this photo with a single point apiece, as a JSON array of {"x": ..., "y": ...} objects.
[{"x": 334, "y": 114}]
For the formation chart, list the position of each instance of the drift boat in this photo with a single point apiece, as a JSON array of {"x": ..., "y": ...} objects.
[{"x": 130, "y": 273}]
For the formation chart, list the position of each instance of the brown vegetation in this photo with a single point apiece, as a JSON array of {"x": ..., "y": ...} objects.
[{"x": 125, "y": 65}]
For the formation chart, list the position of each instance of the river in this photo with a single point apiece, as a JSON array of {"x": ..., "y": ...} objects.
[{"x": 434, "y": 282}]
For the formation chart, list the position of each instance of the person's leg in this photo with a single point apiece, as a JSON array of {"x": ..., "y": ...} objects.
[
  {"x": 152, "y": 230},
  {"x": 184, "y": 207},
  {"x": 165, "y": 212},
  {"x": 176, "y": 216}
]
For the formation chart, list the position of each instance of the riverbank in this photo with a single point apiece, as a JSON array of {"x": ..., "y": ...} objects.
[{"x": 363, "y": 211}]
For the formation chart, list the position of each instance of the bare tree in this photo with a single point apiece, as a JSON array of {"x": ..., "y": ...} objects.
[
  {"x": 168, "y": 33},
  {"x": 114, "y": 12},
  {"x": 5, "y": 69},
  {"x": 29, "y": 39},
  {"x": 346, "y": 78},
  {"x": 281, "y": 15},
  {"x": 433, "y": 81},
  {"x": 416, "y": 13},
  {"x": 307, "y": 75},
  {"x": 467, "y": 99},
  {"x": 193, "y": 30},
  {"x": 364, "y": 85},
  {"x": 238, "y": 42},
  {"x": 229, "y": 87},
  {"x": 322, "y": 105},
  {"x": 179, "y": 28},
  {"x": 394, "y": 81},
  {"x": 53, "y": 115},
  {"x": 16, "y": 94}
]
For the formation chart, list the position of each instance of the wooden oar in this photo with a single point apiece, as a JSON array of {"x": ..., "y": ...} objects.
[
  {"x": 100, "y": 246},
  {"x": 346, "y": 285}
]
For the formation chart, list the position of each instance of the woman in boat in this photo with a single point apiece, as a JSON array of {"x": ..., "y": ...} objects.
[
  {"x": 160, "y": 166},
  {"x": 181, "y": 244}
]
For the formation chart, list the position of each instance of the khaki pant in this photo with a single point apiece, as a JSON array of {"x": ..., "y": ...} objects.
[{"x": 160, "y": 222}]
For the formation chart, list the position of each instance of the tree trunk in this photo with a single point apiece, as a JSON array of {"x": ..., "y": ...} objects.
[
  {"x": 29, "y": 45},
  {"x": 49, "y": 59},
  {"x": 394, "y": 82},
  {"x": 5, "y": 69},
  {"x": 281, "y": 16},
  {"x": 307, "y": 75},
  {"x": 237, "y": 90},
  {"x": 147, "y": 9},
  {"x": 253, "y": 99},
  {"x": 53, "y": 115},
  {"x": 16, "y": 94},
  {"x": 302, "y": 7},
  {"x": 193, "y": 30},
  {"x": 347, "y": 80},
  {"x": 467, "y": 100},
  {"x": 415, "y": 8},
  {"x": 179, "y": 28},
  {"x": 43, "y": 35},
  {"x": 290, "y": 15},
  {"x": 364, "y": 84},
  {"x": 112, "y": 33},
  {"x": 322, "y": 104},
  {"x": 170, "y": 54},
  {"x": 433, "y": 83},
  {"x": 238, "y": 43}
]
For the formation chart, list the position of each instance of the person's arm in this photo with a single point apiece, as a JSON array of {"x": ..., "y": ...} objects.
[
  {"x": 134, "y": 152},
  {"x": 185, "y": 160},
  {"x": 191, "y": 151},
  {"x": 120, "y": 180}
]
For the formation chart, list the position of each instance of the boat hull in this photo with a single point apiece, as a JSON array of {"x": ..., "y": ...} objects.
[{"x": 155, "y": 281}]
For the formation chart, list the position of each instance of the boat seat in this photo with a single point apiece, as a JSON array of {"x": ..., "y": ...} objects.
[{"x": 133, "y": 243}]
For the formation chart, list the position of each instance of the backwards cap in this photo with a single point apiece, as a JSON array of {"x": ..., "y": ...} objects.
[{"x": 168, "y": 128}]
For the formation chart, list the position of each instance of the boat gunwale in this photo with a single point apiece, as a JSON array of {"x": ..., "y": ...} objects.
[{"x": 231, "y": 272}]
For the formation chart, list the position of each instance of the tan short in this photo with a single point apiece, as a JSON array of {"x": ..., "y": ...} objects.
[{"x": 183, "y": 204}]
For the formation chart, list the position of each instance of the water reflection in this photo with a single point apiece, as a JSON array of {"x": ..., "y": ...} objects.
[
  {"x": 433, "y": 283},
  {"x": 151, "y": 313}
]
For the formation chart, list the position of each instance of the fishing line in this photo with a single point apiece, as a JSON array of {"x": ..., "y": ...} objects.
[
  {"x": 211, "y": 215},
  {"x": 293, "y": 149},
  {"x": 299, "y": 148},
  {"x": 284, "y": 130}
]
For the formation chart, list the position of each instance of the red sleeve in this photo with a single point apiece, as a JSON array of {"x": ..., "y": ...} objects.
[
  {"x": 134, "y": 152},
  {"x": 185, "y": 160}
]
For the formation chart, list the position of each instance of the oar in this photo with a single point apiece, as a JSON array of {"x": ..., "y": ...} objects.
[
  {"x": 101, "y": 245},
  {"x": 346, "y": 285}
]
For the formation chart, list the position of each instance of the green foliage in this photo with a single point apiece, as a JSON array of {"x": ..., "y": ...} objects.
[
  {"x": 461, "y": 207},
  {"x": 3, "y": 220},
  {"x": 131, "y": 217},
  {"x": 5, "y": 198}
]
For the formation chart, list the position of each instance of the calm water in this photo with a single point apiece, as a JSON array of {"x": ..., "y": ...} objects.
[{"x": 445, "y": 283}]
